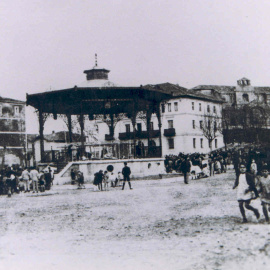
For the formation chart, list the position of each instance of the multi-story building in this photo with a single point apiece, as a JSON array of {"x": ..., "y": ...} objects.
[
  {"x": 246, "y": 110},
  {"x": 12, "y": 131},
  {"x": 241, "y": 94},
  {"x": 191, "y": 122}
]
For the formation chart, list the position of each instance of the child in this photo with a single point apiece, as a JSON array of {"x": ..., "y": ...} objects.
[
  {"x": 21, "y": 185},
  {"x": 264, "y": 188},
  {"x": 80, "y": 180},
  {"x": 41, "y": 182},
  {"x": 112, "y": 179},
  {"x": 106, "y": 181},
  {"x": 118, "y": 179}
]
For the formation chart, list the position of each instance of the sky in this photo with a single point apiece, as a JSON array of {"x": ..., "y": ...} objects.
[{"x": 46, "y": 45}]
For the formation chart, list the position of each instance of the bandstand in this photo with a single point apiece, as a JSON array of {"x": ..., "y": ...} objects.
[{"x": 100, "y": 99}]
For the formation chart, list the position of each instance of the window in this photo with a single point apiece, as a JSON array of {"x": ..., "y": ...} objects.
[
  {"x": 200, "y": 107},
  {"x": 176, "y": 106},
  {"x": 245, "y": 97},
  {"x": 139, "y": 127},
  {"x": 215, "y": 126},
  {"x": 192, "y": 105},
  {"x": 201, "y": 143},
  {"x": 194, "y": 143},
  {"x": 193, "y": 124},
  {"x": 170, "y": 123},
  {"x": 163, "y": 108},
  {"x": 214, "y": 109},
  {"x": 171, "y": 143},
  {"x": 16, "y": 110},
  {"x": 208, "y": 108},
  {"x": 169, "y": 107},
  {"x": 151, "y": 126},
  {"x": 201, "y": 124},
  {"x": 216, "y": 145},
  {"x": 127, "y": 128}
]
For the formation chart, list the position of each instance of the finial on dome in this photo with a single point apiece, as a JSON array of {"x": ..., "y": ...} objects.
[{"x": 96, "y": 59}]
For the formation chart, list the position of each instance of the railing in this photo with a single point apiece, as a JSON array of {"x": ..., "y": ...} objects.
[
  {"x": 139, "y": 135},
  {"x": 169, "y": 132},
  {"x": 110, "y": 151}
]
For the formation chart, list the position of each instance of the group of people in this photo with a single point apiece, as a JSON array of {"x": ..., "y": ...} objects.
[
  {"x": 102, "y": 180},
  {"x": 16, "y": 180}
]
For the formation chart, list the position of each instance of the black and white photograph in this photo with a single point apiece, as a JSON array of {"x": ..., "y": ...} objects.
[{"x": 134, "y": 135}]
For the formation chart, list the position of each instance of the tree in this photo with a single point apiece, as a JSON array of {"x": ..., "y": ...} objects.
[{"x": 211, "y": 126}]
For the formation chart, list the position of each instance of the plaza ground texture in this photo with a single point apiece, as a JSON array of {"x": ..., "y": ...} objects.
[{"x": 160, "y": 224}]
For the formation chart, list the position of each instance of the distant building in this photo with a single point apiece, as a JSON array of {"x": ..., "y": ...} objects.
[
  {"x": 53, "y": 144},
  {"x": 246, "y": 110},
  {"x": 12, "y": 132},
  {"x": 241, "y": 94}
]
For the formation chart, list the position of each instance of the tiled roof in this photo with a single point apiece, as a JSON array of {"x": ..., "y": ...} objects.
[
  {"x": 10, "y": 100},
  {"x": 178, "y": 91},
  {"x": 262, "y": 89},
  {"x": 61, "y": 136},
  {"x": 219, "y": 88},
  {"x": 167, "y": 88}
]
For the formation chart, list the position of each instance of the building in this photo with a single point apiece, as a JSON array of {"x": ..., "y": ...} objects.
[
  {"x": 146, "y": 121},
  {"x": 241, "y": 94},
  {"x": 12, "y": 132},
  {"x": 246, "y": 110},
  {"x": 183, "y": 119}
]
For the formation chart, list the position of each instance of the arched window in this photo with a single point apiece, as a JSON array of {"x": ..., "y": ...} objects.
[{"x": 246, "y": 97}]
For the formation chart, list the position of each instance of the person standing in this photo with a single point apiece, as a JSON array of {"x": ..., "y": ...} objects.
[
  {"x": 264, "y": 189},
  {"x": 26, "y": 177},
  {"x": 34, "y": 176},
  {"x": 185, "y": 168},
  {"x": 48, "y": 179},
  {"x": 253, "y": 167},
  {"x": 98, "y": 179},
  {"x": 246, "y": 191},
  {"x": 126, "y": 173}
]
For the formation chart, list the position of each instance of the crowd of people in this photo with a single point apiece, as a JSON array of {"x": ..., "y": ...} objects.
[
  {"x": 104, "y": 180},
  {"x": 18, "y": 180}
]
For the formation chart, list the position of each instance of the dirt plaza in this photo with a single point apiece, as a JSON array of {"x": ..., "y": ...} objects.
[{"x": 160, "y": 224}]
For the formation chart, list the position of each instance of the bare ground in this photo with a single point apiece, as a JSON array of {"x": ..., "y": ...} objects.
[{"x": 160, "y": 224}]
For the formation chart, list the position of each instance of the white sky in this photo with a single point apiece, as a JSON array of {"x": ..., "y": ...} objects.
[{"x": 47, "y": 44}]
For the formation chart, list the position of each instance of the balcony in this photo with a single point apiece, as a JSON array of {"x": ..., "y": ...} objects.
[
  {"x": 109, "y": 137},
  {"x": 139, "y": 135},
  {"x": 169, "y": 132}
]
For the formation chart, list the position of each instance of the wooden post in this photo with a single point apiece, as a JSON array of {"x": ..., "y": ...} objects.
[
  {"x": 148, "y": 118},
  {"x": 69, "y": 127},
  {"x": 41, "y": 134},
  {"x": 159, "y": 126},
  {"x": 81, "y": 121}
]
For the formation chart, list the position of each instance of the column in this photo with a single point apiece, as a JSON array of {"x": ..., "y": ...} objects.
[
  {"x": 159, "y": 126},
  {"x": 148, "y": 119},
  {"x": 41, "y": 134},
  {"x": 81, "y": 121},
  {"x": 69, "y": 127}
]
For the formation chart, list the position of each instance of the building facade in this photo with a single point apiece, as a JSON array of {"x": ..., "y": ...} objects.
[
  {"x": 246, "y": 110},
  {"x": 12, "y": 132}
]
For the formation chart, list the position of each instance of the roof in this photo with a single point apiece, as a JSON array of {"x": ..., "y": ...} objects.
[
  {"x": 179, "y": 91},
  {"x": 61, "y": 136},
  {"x": 10, "y": 100},
  {"x": 96, "y": 83},
  {"x": 168, "y": 88},
  {"x": 262, "y": 89},
  {"x": 218, "y": 88},
  {"x": 92, "y": 100}
]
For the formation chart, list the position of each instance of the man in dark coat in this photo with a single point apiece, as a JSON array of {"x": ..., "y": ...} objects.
[
  {"x": 126, "y": 173},
  {"x": 185, "y": 168}
]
